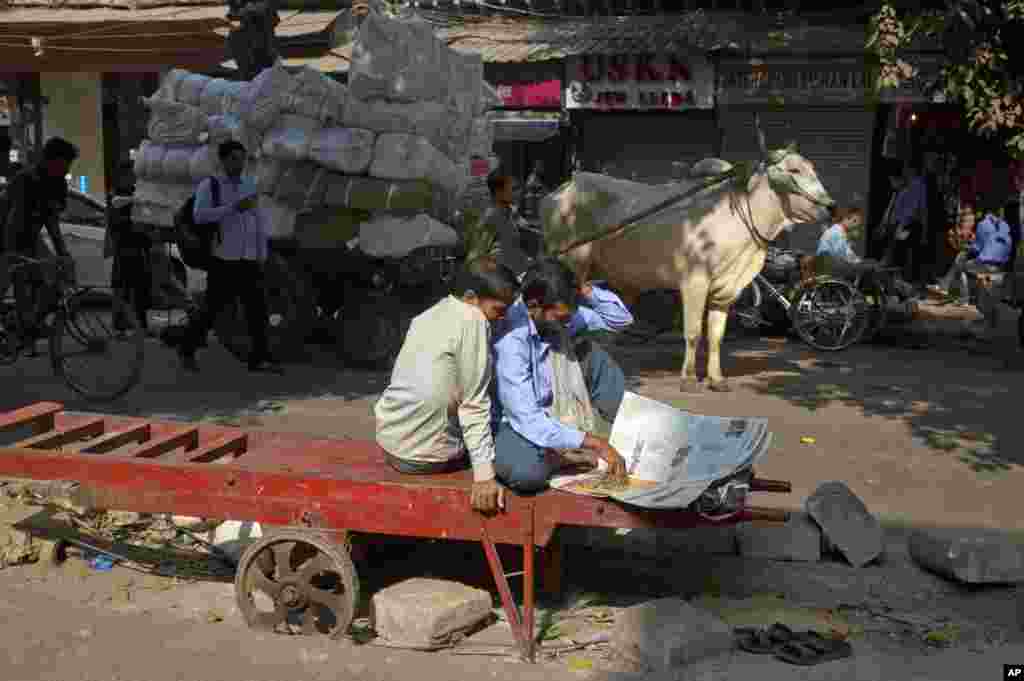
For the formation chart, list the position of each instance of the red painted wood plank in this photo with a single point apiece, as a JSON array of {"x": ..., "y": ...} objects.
[
  {"x": 183, "y": 437},
  {"x": 118, "y": 438},
  {"x": 53, "y": 439},
  {"x": 40, "y": 414},
  {"x": 232, "y": 445}
]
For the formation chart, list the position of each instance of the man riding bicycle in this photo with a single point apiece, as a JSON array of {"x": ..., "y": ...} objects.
[{"x": 35, "y": 199}]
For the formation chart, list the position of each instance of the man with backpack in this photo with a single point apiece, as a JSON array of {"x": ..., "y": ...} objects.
[{"x": 227, "y": 216}]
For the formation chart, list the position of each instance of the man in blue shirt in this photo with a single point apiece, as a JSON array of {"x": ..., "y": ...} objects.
[
  {"x": 530, "y": 440},
  {"x": 988, "y": 253}
]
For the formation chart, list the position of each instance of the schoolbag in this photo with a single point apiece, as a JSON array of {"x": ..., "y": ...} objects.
[{"x": 196, "y": 240}]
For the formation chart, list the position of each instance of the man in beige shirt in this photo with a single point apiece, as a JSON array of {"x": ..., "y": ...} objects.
[{"x": 437, "y": 408}]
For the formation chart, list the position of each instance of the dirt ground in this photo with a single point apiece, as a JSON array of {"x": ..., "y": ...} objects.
[{"x": 924, "y": 436}]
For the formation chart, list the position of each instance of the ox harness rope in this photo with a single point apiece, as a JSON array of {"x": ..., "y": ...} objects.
[{"x": 744, "y": 172}]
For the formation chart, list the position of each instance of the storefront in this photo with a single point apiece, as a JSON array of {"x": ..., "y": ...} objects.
[
  {"x": 641, "y": 116},
  {"x": 818, "y": 105}
]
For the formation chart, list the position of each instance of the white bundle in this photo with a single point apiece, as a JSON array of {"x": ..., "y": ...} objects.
[
  {"x": 149, "y": 159},
  {"x": 291, "y": 139},
  {"x": 163, "y": 194},
  {"x": 489, "y": 98},
  {"x": 481, "y": 139},
  {"x": 153, "y": 214},
  {"x": 203, "y": 163},
  {"x": 398, "y": 60},
  {"x": 266, "y": 172},
  {"x": 315, "y": 95},
  {"x": 426, "y": 119},
  {"x": 334, "y": 106},
  {"x": 280, "y": 217},
  {"x": 458, "y": 138},
  {"x": 212, "y": 97},
  {"x": 223, "y": 128},
  {"x": 172, "y": 122},
  {"x": 390, "y": 237},
  {"x": 301, "y": 186},
  {"x": 347, "y": 150},
  {"x": 263, "y": 100},
  {"x": 170, "y": 85},
  {"x": 465, "y": 81},
  {"x": 233, "y": 98},
  {"x": 408, "y": 157},
  {"x": 190, "y": 89}
]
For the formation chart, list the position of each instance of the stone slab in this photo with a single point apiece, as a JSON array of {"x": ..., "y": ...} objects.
[
  {"x": 846, "y": 523},
  {"x": 667, "y": 633},
  {"x": 971, "y": 560},
  {"x": 426, "y": 613},
  {"x": 798, "y": 539}
]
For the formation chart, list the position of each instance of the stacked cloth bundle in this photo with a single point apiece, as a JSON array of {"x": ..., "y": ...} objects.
[{"x": 395, "y": 144}]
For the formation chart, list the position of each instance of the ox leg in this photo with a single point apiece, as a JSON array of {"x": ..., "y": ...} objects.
[
  {"x": 694, "y": 292},
  {"x": 717, "y": 320}
]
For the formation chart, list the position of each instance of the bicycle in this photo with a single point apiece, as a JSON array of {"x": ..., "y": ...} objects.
[
  {"x": 828, "y": 314},
  {"x": 80, "y": 323}
]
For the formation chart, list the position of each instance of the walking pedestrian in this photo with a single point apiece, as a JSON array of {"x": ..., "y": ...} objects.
[
  {"x": 239, "y": 255},
  {"x": 501, "y": 219}
]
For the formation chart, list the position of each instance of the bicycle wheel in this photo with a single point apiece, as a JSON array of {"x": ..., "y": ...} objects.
[
  {"x": 97, "y": 346},
  {"x": 830, "y": 316}
]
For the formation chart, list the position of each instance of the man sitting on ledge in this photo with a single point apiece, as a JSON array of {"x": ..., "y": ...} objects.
[{"x": 549, "y": 382}]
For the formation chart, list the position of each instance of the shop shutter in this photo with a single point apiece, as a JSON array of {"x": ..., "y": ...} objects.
[
  {"x": 836, "y": 139},
  {"x": 647, "y": 144}
]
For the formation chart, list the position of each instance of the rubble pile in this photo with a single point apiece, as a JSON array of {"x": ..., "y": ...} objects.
[{"x": 391, "y": 152}]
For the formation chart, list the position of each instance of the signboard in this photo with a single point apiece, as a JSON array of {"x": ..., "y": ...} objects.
[
  {"x": 834, "y": 82},
  {"x": 640, "y": 82},
  {"x": 542, "y": 95}
]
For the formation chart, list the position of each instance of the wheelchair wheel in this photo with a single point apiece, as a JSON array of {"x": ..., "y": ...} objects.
[{"x": 830, "y": 315}]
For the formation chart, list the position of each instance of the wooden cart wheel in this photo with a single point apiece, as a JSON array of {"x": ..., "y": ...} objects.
[{"x": 297, "y": 583}]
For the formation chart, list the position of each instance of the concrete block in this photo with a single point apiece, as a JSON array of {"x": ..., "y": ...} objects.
[
  {"x": 425, "y": 613},
  {"x": 799, "y": 539},
  {"x": 971, "y": 560},
  {"x": 667, "y": 633},
  {"x": 846, "y": 523}
]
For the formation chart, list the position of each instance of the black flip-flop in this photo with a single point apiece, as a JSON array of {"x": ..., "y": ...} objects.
[
  {"x": 811, "y": 648},
  {"x": 762, "y": 641}
]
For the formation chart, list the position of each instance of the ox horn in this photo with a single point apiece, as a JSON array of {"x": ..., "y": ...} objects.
[{"x": 762, "y": 145}]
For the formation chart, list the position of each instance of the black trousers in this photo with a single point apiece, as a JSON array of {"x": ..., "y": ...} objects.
[
  {"x": 228, "y": 281},
  {"x": 133, "y": 279},
  {"x": 908, "y": 253}
]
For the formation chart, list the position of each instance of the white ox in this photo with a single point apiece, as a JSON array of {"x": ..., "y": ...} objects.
[{"x": 710, "y": 246}]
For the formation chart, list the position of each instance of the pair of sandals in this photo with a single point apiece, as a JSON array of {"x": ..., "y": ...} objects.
[{"x": 804, "y": 648}]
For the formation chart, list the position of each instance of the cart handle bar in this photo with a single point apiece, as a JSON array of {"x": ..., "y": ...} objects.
[{"x": 763, "y": 485}]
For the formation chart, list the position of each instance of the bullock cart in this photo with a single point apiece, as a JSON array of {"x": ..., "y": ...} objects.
[{"x": 313, "y": 494}]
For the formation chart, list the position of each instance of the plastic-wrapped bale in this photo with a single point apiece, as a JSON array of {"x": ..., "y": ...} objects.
[
  {"x": 315, "y": 95},
  {"x": 203, "y": 163},
  {"x": 164, "y": 163},
  {"x": 397, "y": 60},
  {"x": 213, "y": 96},
  {"x": 409, "y": 157},
  {"x": 393, "y": 237},
  {"x": 173, "y": 122},
  {"x": 426, "y": 119},
  {"x": 148, "y": 160},
  {"x": 266, "y": 172},
  {"x": 489, "y": 99},
  {"x": 153, "y": 214},
  {"x": 372, "y": 194},
  {"x": 346, "y": 150},
  {"x": 280, "y": 217},
  {"x": 329, "y": 227},
  {"x": 301, "y": 186},
  {"x": 171, "y": 84},
  {"x": 464, "y": 86},
  {"x": 157, "y": 203},
  {"x": 224, "y": 127},
  {"x": 262, "y": 102},
  {"x": 232, "y": 101},
  {"x": 291, "y": 139}
]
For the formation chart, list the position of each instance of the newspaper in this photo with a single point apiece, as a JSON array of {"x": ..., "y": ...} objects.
[{"x": 672, "y": 456}]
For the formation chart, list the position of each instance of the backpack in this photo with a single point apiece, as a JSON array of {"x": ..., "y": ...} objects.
[{"x": 196, "y": 240}]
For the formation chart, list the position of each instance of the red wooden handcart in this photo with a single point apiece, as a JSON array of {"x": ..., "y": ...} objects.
[{"x": 311, "y": 493}]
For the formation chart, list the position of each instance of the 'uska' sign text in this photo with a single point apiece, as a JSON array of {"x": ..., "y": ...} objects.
[
  {"x": 634, "y": 82},
  {"x": 809, "y": 83}
]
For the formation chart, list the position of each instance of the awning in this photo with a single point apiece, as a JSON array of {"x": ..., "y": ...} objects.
[{"x": 524, "y": 129}]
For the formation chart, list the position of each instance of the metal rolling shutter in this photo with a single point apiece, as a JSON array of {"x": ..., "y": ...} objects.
[
  {"x": 836, "y": 139},
  {"x": 647, "y": 144}
]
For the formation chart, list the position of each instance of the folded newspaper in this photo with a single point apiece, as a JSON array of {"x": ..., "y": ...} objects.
[{"x": 672, "y": 456}]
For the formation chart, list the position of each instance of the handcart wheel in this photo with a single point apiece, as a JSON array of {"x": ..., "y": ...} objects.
[{"x": 297, "y": 583}]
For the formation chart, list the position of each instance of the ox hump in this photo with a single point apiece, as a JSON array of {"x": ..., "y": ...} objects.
[{"x": 709, "y": 167}]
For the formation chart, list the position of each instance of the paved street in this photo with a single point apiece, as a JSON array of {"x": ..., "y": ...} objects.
[{"x": 924, "y": 437}]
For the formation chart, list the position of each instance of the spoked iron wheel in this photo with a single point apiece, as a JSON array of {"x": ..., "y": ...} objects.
[
  {"x": 296, "y": 583},
  {"x": 831, "y": 316},
  {"x": 97, "y": 345}
]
